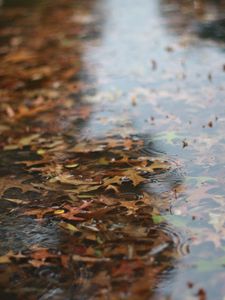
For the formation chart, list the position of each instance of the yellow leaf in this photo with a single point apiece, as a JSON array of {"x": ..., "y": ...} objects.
[
  {"x": 4, "y": 259},
  {"x": 71, "y": 166},
  {"x": 41, "y": 151},
  {"x": 69, "y": 227},
  {"x": 59, "y": 211}
]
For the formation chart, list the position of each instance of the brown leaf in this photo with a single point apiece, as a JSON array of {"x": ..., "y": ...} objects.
[
  {"x": 13, "y": 182},
  {"x": 157, "y": 164},
  {"x": 127, "y": 268},
  {"x": 73, "y": 211},
  {"x": 134, "y": 177},
  {"x": 113, "y": 180},
  {"x": 89, "y": 259},
  {"x": 97, "y": 213},
  {"x": 130, "y": 206},
  {"x": 68, "y": 179},
  {"x": 19, "y": 56},
  {"x": 38, "y": 212},
  {"x": 41, "y": 254},
  {"x": 86, "y": 148},
  {"x": 38, "y": 263},
  {"x": 4, "y": 259},
  {"x": 25, "y": 112}
]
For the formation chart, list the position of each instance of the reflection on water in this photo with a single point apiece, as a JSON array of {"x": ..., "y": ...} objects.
[
  {"x": 129, "y": 88},
  {"x": 204, "y": 18}
]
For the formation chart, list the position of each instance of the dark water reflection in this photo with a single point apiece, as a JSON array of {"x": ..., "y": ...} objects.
[{"x": 145, "y": 73}]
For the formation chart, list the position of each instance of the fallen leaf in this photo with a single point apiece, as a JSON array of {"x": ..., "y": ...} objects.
[
  {"x": 69, "y": 227},
  {"x": 13, "y": 182},
  {"x": 89, "y": 259},
  {"x": 134, "y": 177},
  {"x": 19, "y": 56}
]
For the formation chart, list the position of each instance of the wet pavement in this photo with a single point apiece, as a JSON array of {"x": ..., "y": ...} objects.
[{"x": 112, "y": 141}]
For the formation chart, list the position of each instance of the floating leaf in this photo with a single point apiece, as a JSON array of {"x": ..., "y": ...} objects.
[
  {"x": 90, "y": 259},
  {"x": 71, "y": 166},
  {"x": 134, "y": 177},
  {"x": 69, "y": 227}
]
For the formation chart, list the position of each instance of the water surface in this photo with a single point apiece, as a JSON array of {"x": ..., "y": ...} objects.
[{"x": 112, "y": 139}]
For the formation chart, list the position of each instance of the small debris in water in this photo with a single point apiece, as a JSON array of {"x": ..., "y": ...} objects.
[
  {"x": 190, "y": 284},
  {"x": 210, "y": 77},
  {"x": 210, "y": 124},
  {"x": 185, "y": 143},
  {"x": 201, "y": 294},
  {"x": 134, "y": 100},
  {"x": 154, "y": 64},
  {"x": 169, "y": 49}
]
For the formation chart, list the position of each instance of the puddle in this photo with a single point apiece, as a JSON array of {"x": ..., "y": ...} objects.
[{"x": 112, "y": 134}]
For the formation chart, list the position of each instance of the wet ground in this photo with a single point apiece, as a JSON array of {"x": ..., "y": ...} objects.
[{"x": 112, "y": 141}]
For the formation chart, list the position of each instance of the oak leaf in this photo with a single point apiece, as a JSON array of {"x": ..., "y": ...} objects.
[
  {"x": 13, "y": 182},
  {"x": 134, "y": 177}
]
